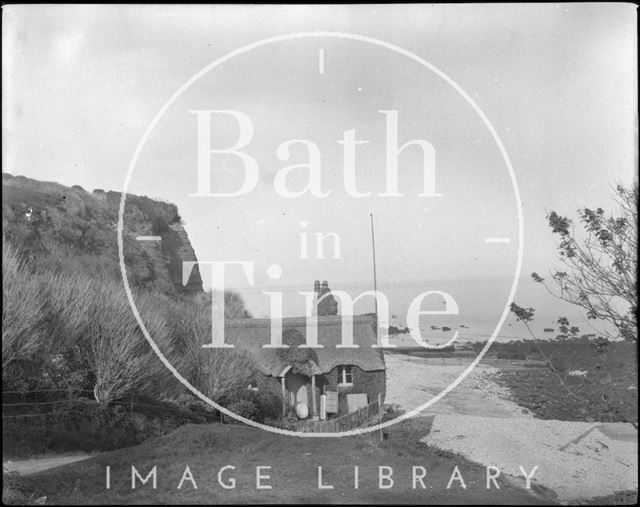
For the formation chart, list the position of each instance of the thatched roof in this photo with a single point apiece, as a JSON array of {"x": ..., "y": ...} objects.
[{"x": 252, "y": 334}]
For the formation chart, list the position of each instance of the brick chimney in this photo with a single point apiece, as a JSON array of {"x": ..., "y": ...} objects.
[
  {"x": 316, "y": 290},
  {"x": 328, "y": 306}
]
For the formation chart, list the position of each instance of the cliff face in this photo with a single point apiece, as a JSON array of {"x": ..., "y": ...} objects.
[{"x": 70, "y": 229}]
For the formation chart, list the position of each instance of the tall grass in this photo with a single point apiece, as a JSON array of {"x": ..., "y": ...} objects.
[
  {"x": 53, "y": 312},
  {"x": 122, "y": 360},
  {"x": 221, "y": 374},
  {"x": 23, "y": 306},
  {"x": 45, "y": 313},
  {"x": 42, "y": 311}
]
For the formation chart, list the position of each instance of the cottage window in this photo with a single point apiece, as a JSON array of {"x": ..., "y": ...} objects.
[{"x": 345, "y": 376}]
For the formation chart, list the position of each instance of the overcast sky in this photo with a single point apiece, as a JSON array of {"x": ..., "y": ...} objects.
[{"x": 557, "y": 81}]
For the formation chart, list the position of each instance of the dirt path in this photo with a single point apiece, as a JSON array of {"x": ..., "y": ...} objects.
[{"x": 31, "y": 466}]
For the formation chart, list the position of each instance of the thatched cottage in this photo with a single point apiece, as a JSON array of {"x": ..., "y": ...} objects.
[{"x": 304, "y": 374}]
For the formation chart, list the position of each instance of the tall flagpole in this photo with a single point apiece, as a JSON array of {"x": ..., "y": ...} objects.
[
  {"x": 375, "y": 288},
  {"x": 375, "y": 281}
]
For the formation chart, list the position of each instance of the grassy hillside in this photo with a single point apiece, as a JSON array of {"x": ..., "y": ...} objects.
[
  {"x": 75, "y": 362},
  {"x": 72, "y": 229},
  {"x": 293, "y": 474}
]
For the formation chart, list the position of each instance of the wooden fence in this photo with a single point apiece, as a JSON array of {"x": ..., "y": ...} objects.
[
  {"x": 39, "y": 403},
  {"x": 372, "y": 412}
]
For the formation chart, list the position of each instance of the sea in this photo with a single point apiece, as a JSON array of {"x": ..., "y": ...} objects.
[{"x": 481, "y": 306}]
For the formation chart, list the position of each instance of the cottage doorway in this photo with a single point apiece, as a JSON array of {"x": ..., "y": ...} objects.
[{"x": 297, "y": 389}]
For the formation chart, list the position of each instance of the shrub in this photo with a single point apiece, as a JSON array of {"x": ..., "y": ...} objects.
[
  {"x": 57, "y": 323},
  {"x": 119, "y": 354},
  {"x": 245, "y": 408},
  {"x": 16, "y": 491},
  {"x": 267, "y": 398},
  {"x": 42, "y": 312},
  {"x": 221, "y": 374},
  {"x": 86, "y": 426},
  {"x": 188, "y": 401},
  {"x": 22, "y": 309}
]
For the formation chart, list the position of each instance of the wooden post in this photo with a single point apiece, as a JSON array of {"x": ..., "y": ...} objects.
[
  {"x": 380, "y": 415},
  {"x": 284, "y": 398},
  {"x": 314, "y": 413}
]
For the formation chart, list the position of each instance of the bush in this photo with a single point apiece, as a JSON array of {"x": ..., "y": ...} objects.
[
  {"x": 220, "y": 374},
  {"x": 16, "y": 491},
  {"x": 22, "y": 309},
  {"x": 268, "y": 398},
  {"x": 244, "y": 408},
  {"x": 119, "y": 354},
  {"x": 189, "y": 402},
  {"x": 54, "y": 322},
  {"x": 89, "y": 426},
  {"x": 42, "y": 312},
  {"x": 86, "y": 427}
]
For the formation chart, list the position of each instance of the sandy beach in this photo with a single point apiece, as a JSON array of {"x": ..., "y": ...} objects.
[
  {"x": 575, "y": 460},
  {"x": 411, "y": 382}
]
